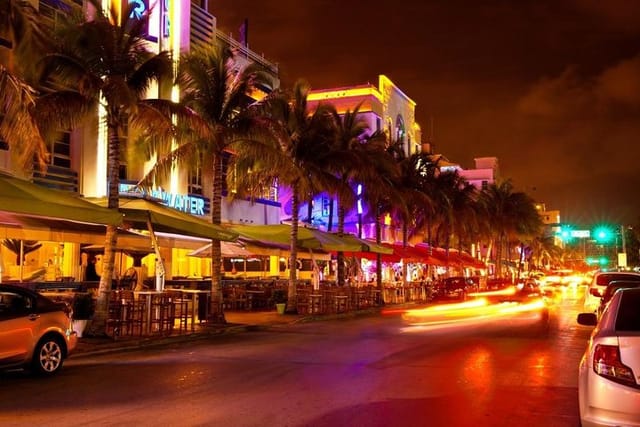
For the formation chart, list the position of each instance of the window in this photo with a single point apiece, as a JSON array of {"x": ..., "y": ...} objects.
[
  {"x": 326, "y": 206},
  {"x": 60, "y": 150},
  {"x": 628, "y": 314},
  {"x": 400, "y": 129},
  {"x": 194, "y": 183}
]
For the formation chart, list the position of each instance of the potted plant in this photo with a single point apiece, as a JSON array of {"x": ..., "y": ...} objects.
[
  {"x": 83, "y": 308},
  {"x": 279, "y": 297}
]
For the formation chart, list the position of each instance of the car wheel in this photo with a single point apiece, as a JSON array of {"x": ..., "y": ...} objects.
[{"x": 48, "y": 356}]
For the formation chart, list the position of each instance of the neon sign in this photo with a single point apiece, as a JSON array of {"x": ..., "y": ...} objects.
[
  {"x": 190, "y": 204},
  {"x": 139, "y": 8}
]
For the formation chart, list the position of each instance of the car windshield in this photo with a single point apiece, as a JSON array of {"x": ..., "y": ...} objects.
[{"x": 628, "y": 319}]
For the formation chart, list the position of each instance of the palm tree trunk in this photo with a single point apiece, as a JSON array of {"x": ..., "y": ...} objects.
[
  {"x": 499, "y": 244},
  {"x": 341, "y": 272},
  {"x": 99, "y": 323},
  {"x": 293, "y": 258},
  {"x": 216, "y": 308},
  {"x": 405, "y": 238},
  {"x": 379, "y": 256}
]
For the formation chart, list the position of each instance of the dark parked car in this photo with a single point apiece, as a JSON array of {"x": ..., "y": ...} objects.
[
  {"x": 455, "y": 288},
  {"x": 611, "y": 289},
  {"x": 599, "y": 284},
  {"x": 35, "y": 332}
]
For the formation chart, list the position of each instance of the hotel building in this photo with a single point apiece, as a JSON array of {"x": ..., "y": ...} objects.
[{"x": 78, "y": 156}]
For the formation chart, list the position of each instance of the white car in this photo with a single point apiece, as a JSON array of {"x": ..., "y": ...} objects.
[
  {"x": 599, "y": 283},
  {"x": 609, "y": 372}
]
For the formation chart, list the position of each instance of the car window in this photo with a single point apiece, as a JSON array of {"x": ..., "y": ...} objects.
[
  {"x": 628, "y": 318},
  {"x": 615, "y": 285},
  {"x": 14, "y": 305},
  {"x": 605, "y": 279}
]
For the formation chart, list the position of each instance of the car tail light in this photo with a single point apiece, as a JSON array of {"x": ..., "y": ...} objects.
[{"x": 607, "y": 363}]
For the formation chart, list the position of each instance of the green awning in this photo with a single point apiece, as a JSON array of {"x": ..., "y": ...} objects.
[
  {"x": 19, "y": 198},
  {"x": 308, "y": 238},
  {"x": 138, "y": 211}
]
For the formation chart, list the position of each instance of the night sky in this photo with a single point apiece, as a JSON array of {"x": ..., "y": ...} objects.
[{"x": 551, "y": 88}]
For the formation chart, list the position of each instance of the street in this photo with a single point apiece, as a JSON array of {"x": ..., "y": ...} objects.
[{"x": 370, "y": 371}]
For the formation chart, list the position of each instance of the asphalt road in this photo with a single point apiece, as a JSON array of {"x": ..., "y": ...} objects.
[{"x": 374, "y": 371}]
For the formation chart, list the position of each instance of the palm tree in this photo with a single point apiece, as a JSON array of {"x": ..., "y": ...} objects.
[
  {"x": 463, "y": 205},
  {"x": 106, "y": 61},
  {"x": 353, "y": 150},
  {"x": 215, "y": 89},
  {"x": 380, "y": 190},
  {"x": 434, "y": 188},
  {"x": 410, "y": 185},
  {"x": 21, "y": 42},
  {"x": 544, "y": 251},
  {"x": 295, "y": 154},
  {"x": 511, "y": 214}
]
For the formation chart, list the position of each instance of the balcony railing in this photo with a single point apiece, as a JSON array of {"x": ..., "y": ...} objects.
[{"x": 245, "y": 52}]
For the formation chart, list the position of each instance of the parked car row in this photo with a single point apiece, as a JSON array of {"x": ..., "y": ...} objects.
[{"x": 609, "y": 371}]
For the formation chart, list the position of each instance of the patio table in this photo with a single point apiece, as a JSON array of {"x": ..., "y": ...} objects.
[{"x": 195, "y": 295}]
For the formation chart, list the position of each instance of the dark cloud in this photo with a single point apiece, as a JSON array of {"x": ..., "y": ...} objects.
[{"x": 551, "y": 88}]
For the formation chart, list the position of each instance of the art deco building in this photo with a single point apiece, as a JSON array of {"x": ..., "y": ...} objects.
[
  {"x": 78, "y": 156},
  {"x": 384, "y": 107}
]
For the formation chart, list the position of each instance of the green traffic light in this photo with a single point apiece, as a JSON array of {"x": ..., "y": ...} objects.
[{"x": 603, "y": 234}]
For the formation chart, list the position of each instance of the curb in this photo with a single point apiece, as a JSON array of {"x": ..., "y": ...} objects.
[
  {"x": 99, "y": 346},
  {"x": 106, "y": 346}
]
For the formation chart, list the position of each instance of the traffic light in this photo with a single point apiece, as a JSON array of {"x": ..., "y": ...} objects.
[
  {"x": 565, "y": 233},
  {"x": 603, "y": 234},
  {"x": 603, "y": 260}
]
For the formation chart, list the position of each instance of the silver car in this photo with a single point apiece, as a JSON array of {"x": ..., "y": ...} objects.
[
  {"x": 609, "y": 372},
  {"x": 35, "y": 332}
]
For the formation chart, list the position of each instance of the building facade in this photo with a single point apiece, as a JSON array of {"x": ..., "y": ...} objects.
[
  {"x": 78, "y": 156},
  {"x": 385, "y": 108}
]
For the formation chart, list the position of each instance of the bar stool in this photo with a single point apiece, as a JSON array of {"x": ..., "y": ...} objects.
[
  {"x": 303, "y": 304},
  {"x": 134, "y": 315},
  {"x": 315, "y": 301},
  {"x": 341, "y": 303},
  {"x": 115, "y": 315},
  {"x": 180, "y": 311}
]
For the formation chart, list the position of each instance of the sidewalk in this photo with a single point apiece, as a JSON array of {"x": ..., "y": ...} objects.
[{"x": 237, "y": 321}]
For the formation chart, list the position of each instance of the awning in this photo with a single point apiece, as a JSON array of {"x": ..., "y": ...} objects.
[
  {"x": 452, "y": 257},
  {"x": 308, "y": 238},
  {"x": 229, "y": 249},
  {"x": 138, "y": 211},
  {"x": 23, "y": 203},
  {"x": 244, "y": 249}
]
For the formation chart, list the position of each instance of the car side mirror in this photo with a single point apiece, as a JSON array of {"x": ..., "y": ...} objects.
[
  {"x": 587, "y": 319},
  {"x": 595, "y": 292}
]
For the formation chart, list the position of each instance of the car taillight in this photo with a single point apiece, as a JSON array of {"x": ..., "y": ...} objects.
[{"x": 607, "y": 363}]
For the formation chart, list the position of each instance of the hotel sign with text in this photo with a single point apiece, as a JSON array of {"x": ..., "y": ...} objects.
[{"x": 191, "y": 204}]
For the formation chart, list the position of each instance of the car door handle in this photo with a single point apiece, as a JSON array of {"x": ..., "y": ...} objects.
[{"x": 33, "y": 317}]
